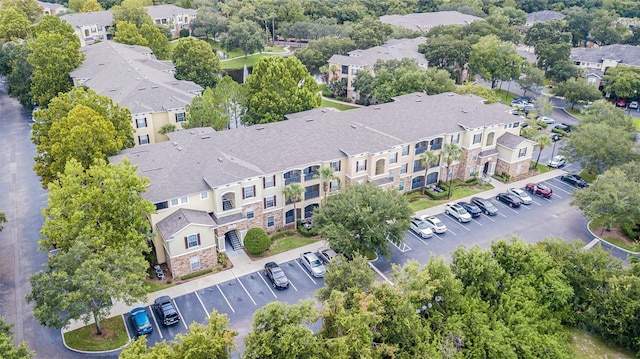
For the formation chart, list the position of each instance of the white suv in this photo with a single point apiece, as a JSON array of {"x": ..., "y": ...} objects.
[
  {"x": 457, "y": 211},
  {"x": 420, "y": 228}
]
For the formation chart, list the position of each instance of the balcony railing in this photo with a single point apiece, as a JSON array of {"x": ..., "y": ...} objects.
[
  {"x": 292, "y": 179},
  {"x": 420, "y": 150},
  {"x": 418, "y": 167},
  {"x": 436, "y": 146},
  {"x": 310, "y": 176},
  {"x": 311, "y": 194}
]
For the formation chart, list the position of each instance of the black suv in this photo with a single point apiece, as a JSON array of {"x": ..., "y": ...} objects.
[
  {"x": 473, "y": 210},
  {"x": 165, "y": 309},
  {"x": 485, "y": 205},
  {"x": 564, "y": 127},
  {"x": 574, "y": 180}
]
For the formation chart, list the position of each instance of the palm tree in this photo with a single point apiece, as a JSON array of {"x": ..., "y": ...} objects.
[
  {"x": 293, "y": 193},
  {"x": 451, "y": 152},
  {"x": 543, "y": 141},
  {"x": 326, "y": 176},
  {"x": 427, "y": 158}
]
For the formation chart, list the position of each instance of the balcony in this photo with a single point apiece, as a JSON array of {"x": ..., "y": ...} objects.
[
  {"x": 293, "y": 179},
  {"x": 311, "y": 194},
  {"x": 310, "y": 176},
  {"x": 418, "y": 167},
  {"x": 420, "y": 150}
]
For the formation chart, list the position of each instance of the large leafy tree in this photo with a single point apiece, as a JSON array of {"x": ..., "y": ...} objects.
[
  {"x": 97, "y": 219},
  {"x": 28, "y": 7},
  {"x": 207, "y": 110},
  {"x": 208, "y": 23},
  {"x": 279, "y": 86},
  {"x": 8, "y": 349},
  {"x": 195, "y": 61},
  {"x": 495, "y": 60},
  {"x": 532, "y": 77},
  {"x": 489, "y": 95},
  {"x": 448, "y": 53},
  {"x": 577, "y": 91},
  {"x": 16, "y": 67},
  {"x": 319, "y": 51},
  {"x": 369, "y": 33},
  {"x": 212, "y": 340},
  {"x": 127, "y": 33},
  {"x": 14, "y": 24},
  {"x": 360, "y": 218},
  {"x": 394, "y": 78},
  {"x": 623, "y": 81},
  {"x": 354, "y": 276},
  {"x": 247, "y": 36},
  {"x": 132, "y": 11}
]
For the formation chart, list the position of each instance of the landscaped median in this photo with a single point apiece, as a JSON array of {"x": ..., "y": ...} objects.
[
  {"x": 460, "y": 189},
  {"x": 114, "y": 336}
]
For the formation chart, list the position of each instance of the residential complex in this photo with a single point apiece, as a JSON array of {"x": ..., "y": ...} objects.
[
  {"x": 596, "y": 60},
  {"x": 396, "y": 49},
  {"x": 426, "y": 21},
  {"x": 211, "y": 187},
  {"x": 132, "y": 77},
  {"x": 49, "y": 8}
]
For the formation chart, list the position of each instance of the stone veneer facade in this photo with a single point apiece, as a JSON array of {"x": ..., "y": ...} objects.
[{"x": 181, "y": 265}]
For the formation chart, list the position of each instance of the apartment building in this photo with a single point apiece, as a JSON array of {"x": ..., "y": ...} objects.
[
  {"x": 211, "y": 187},
  {"x": 49, "y": 8},
  {"x": 173, "y": 17},
  {"x": 425, "y": 21},
  {"x": 595, "y": 60},
  {"x": 132, "y": 77}
]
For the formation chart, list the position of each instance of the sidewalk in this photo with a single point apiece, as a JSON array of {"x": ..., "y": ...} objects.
[{"x": 243, "y": 265}]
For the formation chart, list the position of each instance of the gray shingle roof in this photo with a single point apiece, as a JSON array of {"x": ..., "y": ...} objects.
[
  {"x": 509, "y": 140},
  {"x": 101, "y": 18},
  {"x": 133, "y": 78},
  {"x": 195, "y": 160},
  {"x": 425, "y": 21},
  {"x": 51, "y": 5},
  {"x": 624, "y": 54},
  {"x": 181, "y": 218},
  {"x": 391, "y": 50},
  {"x": 542, "y": 16},
  {"x": 168, "y": 10}
]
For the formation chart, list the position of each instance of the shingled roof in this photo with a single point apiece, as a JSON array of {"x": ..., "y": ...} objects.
[
  {"x": 396, "y": 49},
  {"x": 180, "y": 219},
  {"x": 623, "y": 54},
  {"x": 427, "y": 20}
]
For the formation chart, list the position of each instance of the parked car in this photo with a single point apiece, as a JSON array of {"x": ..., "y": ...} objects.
[
  {"x": 508, "y": 198},
  {"x": 485, "y": 205},
  {"x": 547, "y": 120},
  {"x": 327, "y": 254},
  {"x": 554, "y": 136},
  {"x": 522, "y": 195},
  {"x": 473, "y": 210},
  {"x": 458, "y": 212},
  {"x": 276, "y": 275},
  {"x": 633, "y": 105},
  {"x": 564, "y": 127},
  {"x": 313, "y": 264},
  {"x": 140, "y": 320},
  {"x": 539, "y": 189},
  {"x": 621, "y": 102},
  {"x": 526, "y": 99},
  {"x": 164, "y": 308},
  {"x": 557, "y": 161},
  {"x": 574, "y": 180},
  {"x": 436, "y": 225},
  {"x": 421, "y": 228}
]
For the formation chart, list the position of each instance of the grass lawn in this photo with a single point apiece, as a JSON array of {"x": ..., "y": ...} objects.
[
  {"x": 151, "y": 287},
  {"x": 588, "y": 176},
  {"x": 240, "y": 62},
  {"x": 509, "y": 95},
  {"x": 114, "y": 336},
  {"x": 274, "y": 49},
  {"x": 589, "y": 346},
  {"x": 461, "y": 192},
  {"x": 575, "y": 112},
  {"x": 622, "y": 244},
  {"x": 636, "y": 123},
  {"x": 543, "y": 168},
  {"x": 288, "y": 243},
  {"x": 233, "y": 53},
  {"x": 339, "y": 106}
]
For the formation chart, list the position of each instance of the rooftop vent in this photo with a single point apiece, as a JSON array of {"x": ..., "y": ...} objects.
[
  {"x": 192, "y": 132},
  {"x": 309, "y": 120},
  {"x": 418, "y": 100},
  {"x": 376, "y": 107},
  {"x": 354, "y": 126},
  {"x": 179, "y": 148},
  {"x": 142, "y": 88},
  {"x": 219, "y": 159},
  {"x": 175, "y": 143},
  {"x": 259, "y": 128},
  {"x": 465, "y": 111},
  {"x": 205, "y": 136}
]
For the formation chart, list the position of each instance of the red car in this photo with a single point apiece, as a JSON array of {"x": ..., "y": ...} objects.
[
  {"x": 621, "y": 102},
  {"x": 539, "y": 189}
]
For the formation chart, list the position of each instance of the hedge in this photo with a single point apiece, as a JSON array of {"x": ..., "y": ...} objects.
[{"x": 256, "y": 241}]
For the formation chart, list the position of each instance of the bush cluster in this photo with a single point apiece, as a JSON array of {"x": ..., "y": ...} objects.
[{"x": 256, "y": 241}]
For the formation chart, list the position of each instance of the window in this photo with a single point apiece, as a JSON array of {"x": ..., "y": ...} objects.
[
  {"x": 401, "y": 186},
  {"x": 345, "y": 70},
  {"x": 380, "y": 166},
  {"x": 436, "y": 144},
  {"x": 490, "y": 138},
  {"x": 250, "y": 213},
  {"x": 516, "y": 124},
  {"x": 141, "y": 122},
  {"x": 204, "y": 195},
  {"x": 192, "y": 240},
  {"x": 421, "y": 147},
  {"x": 523, "y": 152},
  {"x": 391, "y": 175},
  {"x": 474, "y": 155},
  {"x": 477, "y": 138},
  {"x": 271, "y": 221},
  {"x": 143, "y": 139},
  {"x": 404, "y": 168},
  {"x": 194, "y": 262},
  {"x": 180, "y": 200},
  {"x": 361, "y": 166},
  {"x": 393, "y": 158},
  {"x": 162, "y": 205},
  {"x": 269, "y": 181},
  {"x": 418, "y": 166},
  {"x": 472, "y": 171},
  {"x": 455, "y": 138},
  {"x": 336, "y": 166},
  {"x": 248, "y": 192},
  {"x": 334, "y": 185},
  {"x": 405, "y": 150},
  {"x": 180, "y": 117},
  {"x": 270, "y": 202}
]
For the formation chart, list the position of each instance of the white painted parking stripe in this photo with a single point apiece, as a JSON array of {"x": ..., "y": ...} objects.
[
  {"x": 305, "y": 271},
  {"x": 202, "y": 304},
  {"x": 502, "y": 214},
  {"x": 458, "y": 223},
  {"x": 419, "y": 238},
  {"x": 488, "y": 217},
  {"x": 405, "y": 247},
  {"x": 535, "y": 202},
  {"x": 156, "y": 322},
  {"x": 225, "y": 298},
  {"x": 450, "y": 231},
  {"x": 477, "y": 222},
  {"x": 246, "y": 291},
  {"x": 267, "y": 284},
  {"x": 563, "y": 183},
  {"x": 437, "y": 236},
  {"x": 559, "y": 188},
  {"x": 380, "y": 273},
  {"x": 294, "y": 287},
  {"x": 180, "y": 314},
  {"x": 526, "y": 206},
  {"x": 505, "y": 206}
]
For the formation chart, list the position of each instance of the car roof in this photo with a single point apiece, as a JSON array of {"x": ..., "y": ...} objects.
[
  {"x": 164, "y": 298},
  {"x": 271, "y": 264}
]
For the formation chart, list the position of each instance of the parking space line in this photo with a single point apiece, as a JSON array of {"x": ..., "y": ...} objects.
[
  {"x": 535, "y": 202},
  {"x": 180, "y": 314},
  {"x": 268, "y": 286},
  {"x": 305, "y": 271},
  {"x": 405, "y": 247},
  {"x": 488, "y": 217},
  {"x": 559, "y": 188},
  {"x": 457, "y": 222},
  {"x": 246, "y": 291},
  {"x": 437, "y": 236},
  {"x": 225, "y": 298},
  {"x": 202, "y": 304},
  {"x": 524, "y": 206},
  {"x": 422, "y": 240},
  {"x": 450, "y": 231},
  {"x": 477, "y": 222},
  {"x": 504, "y": 205},
  {"x": 126, "y": 327},
  {"x": 153, "y": 316},
  {"x": 294, "y": 287},
  {"x": 380, "y": 273},
  {"x": 563, "y": 183}
]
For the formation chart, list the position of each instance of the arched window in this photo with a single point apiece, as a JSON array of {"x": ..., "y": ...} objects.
[
  {"x": 380, "y": 166},
  {"x": 490, "y": 137}
]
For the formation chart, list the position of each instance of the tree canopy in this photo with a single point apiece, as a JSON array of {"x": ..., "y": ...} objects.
[
  {"x": 495, "y": 60},
  {"x": 195, "y": 61},
  {"x": 577, "y": 91},
  {"x": 14, "y": 24},
  {"x": 7, "y": 348},
  {"x": 247, "y": 36}
]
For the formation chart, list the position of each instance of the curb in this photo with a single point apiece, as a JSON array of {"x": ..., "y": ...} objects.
[
  {"x": 636, "y": 254},
  {"x": 99, "y": 351},
  {"x": 564, "y": 109}
]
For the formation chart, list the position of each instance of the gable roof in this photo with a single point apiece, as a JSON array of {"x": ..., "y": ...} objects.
[
  {"x": 543, "y": 16},
  {"x": 100, "y": 18},
  {"x": 131, "y": 76},
  {"x": 180, "y": 219},
  {"x": 168, "y": 10},
  {"x": 397, "y": 49},
  {"x": 427, "y": 20},
  {"x": 623, "y": 54},
  {"x": 51, "y": 5},
  {"x": 197, "y": 160},
  {"x": 509, "y": 140}
]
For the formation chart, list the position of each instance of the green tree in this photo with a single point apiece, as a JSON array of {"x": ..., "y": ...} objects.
[
  {"x": 91, "y": 6},
  {"x": 450, "y": 153},
  {"x": 368, "y": 33},
  {"x": 3, "y": 220},
  {"x": 486, "y": 93},
  {"x": 98, "y": 220},
  {"x": 52, "y": 57},
  {"x": 18, "y": 71},
  {"x": 543, "y": 140},
  {"x": 158, "y": 42},
  {"x": 168, "y": 128},
  {"x": 14, "y": 24},
  {"x": 127, "y": 33},
  {"x": 8, "y": 349},
  {"x": 354, "y": 276},
  {"x": 427, "y": 158},
  {"x": 247, "y": 36},
  {"x": 531, "y": 79},
  {"x": 363, "y": 84},
  {"x": 293, "y": 193},
  {"x": 195, "y": 61},
  {"x": 326, "y": 175},
  {"x": 495, "y": 60},
  {"x": 394, "y": 78},
  {"x": 256, "y": 241},
  {"x": 52, "y": 23},
  {"x": 448, "y": 53},
  {"x": 603, "y": 111},
  {"x": 623, "y": 81},
  {"x": 29, "y": 7},
  {"x": 360, "y": 218},
  {"x": 577, "y": 91},
  {"x": 212, "y": 340},
  {"x": 279, "y": 86},
  {"x": 205, "y": 111},
  {"x": 280, "y": 331},
  {"x": 132, "y": 11},
  {"x": 208, "y": 23},
  {"x": 319, "y": 51}
]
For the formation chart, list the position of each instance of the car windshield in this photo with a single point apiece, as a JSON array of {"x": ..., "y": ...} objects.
[
  {"x": 277, "y": 273},
  {"x": 421, "y": 225},
  {"x": 462, "y": 210},
  {"x": 316, "y": 263}
]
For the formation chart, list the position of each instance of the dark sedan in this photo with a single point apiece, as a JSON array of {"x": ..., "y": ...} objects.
[
  {"x": 485, "y": 205},
  {"x": 273, "y": 271},
  {"x": 473, "y": 210},
  {"x": 574, "y": 180},
  {"x": 509, "y": 199}
]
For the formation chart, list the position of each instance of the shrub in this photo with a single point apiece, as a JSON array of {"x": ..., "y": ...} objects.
[
  {"x": 223, "y": 260},
  {"x": 306, "y": 232},
  {"x": 557, "y": 130},
  {"x": 256, "y": 241},
  {"x": 184, "y": 32},
  {"x": 631, "y": 230},
  {"x": 282, "y": 234},
  {"x": 196, "y": 274}
]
